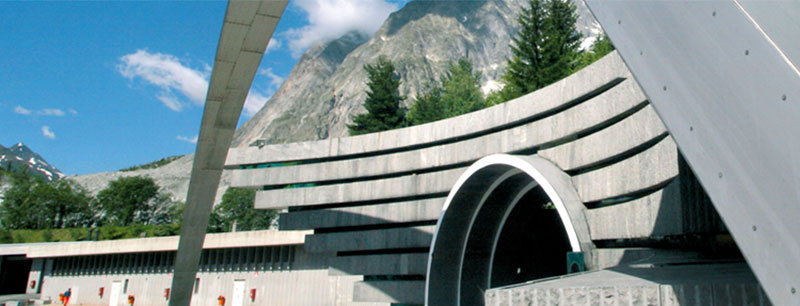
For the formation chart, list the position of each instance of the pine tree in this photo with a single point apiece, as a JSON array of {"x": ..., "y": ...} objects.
[
  {"x": 383, "y": 103},
  {"x": 522, "y": 71},
  {"x": 561, "y": 42},
  {"x": 544, "y": 50},
  {"x": 427, "y": 107},
  {"x": 461, "y": 91},
  {"x": 600, "y": 48}
]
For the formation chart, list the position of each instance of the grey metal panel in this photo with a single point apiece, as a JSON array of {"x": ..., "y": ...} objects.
[
  {"x": 245, "y": 33},
  {"x": 780, "y": 21},
  {"x": 731, "y": 100}
]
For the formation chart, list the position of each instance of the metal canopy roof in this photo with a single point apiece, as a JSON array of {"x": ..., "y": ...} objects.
[{"x": 722, "y": 76}]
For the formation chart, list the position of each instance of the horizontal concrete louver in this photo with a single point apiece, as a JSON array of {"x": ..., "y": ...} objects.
[{"x": 373, "y": 199}]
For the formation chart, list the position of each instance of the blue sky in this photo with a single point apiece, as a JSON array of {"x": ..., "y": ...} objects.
[{"x": 100, "y": 86}]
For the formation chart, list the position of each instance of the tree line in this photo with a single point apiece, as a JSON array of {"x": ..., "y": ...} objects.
[
  {"x": 544, "y": 50},
  {"x": 134, "y": 201}
]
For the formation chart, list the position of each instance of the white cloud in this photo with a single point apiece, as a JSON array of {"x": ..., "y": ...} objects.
[
  {"x": 274, "y": 79},
  {"x": 169, "y": 74},
  {"x": 73, "y": 111},
  {"x": 170, "y": 101},
  {"x": 187, "y": 139},
  {"x": 21, "y": 110},
  {"x": 274, "y": 44},
  {"x": 51, "y": 112},
  {"x": 47, "y": 132},
  {"x": 173, "y": 78},
  {"x": 329, "y": 19},
  {"x": 257, "y": 98},
  {"x": 254, "y": 102}
]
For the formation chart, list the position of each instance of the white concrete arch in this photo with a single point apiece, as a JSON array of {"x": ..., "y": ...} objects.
[{"x": 474, "y": 214}]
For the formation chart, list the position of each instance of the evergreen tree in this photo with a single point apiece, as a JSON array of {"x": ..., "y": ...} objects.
[
  {"x": 460, "y": 93},
  {"x": 522, "y": 72},
  {"x": 544, "y": 50},
  {"x": 461, "y": 89},
  {"x": 427, "y": 107},
  {"x": 383, "y": 103},
  {"x": 561, "y": 42},
  {"x": 600, "y": 48}
]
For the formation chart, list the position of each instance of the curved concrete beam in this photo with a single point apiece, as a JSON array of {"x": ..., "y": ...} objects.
[
  {"x": 589, "y": 115},
  {"x": 587, "y": 82},
  {"x": 246, "y": 31},
  {"x": 464, "y": 204}
]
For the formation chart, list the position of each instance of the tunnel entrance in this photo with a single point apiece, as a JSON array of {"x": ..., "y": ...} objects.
[
  {"x": 532, "y": 243},
  {"x": 14, "y": 271},
  {"x": 508, "y": 219}
]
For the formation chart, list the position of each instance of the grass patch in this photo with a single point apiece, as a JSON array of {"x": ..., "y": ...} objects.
[{"x": 80, "y": 234}]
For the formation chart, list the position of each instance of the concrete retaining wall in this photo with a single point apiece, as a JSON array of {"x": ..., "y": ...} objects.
[{"x": 374, "y": 197}]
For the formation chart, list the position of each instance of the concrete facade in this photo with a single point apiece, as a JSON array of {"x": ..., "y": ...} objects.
[
  {"x": 273, "y": 263},
  {"x": 578, "y": 176},
  {"x": 373, "y": 199}
]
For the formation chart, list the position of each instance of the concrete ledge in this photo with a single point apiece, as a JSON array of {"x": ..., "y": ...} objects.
[
  {"x": 581, "y": 83},
  {"x": 647, "y": 169},
  {"x": 410, "y": 292},
  {"x": 390, "y": 264},
  {"x": 212, "y": 241},
  {"x": 404, "y": 186},
  {"x": 625, "y": 135},
  {"x": 563, "y": 125},
  {"x": 395, "y": 238},
  {"x": 406, "y": 211},
  {"x": 658, "y": 214}
]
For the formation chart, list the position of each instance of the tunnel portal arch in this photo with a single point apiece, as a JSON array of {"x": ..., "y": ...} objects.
[{"x": 481, "y": 229}]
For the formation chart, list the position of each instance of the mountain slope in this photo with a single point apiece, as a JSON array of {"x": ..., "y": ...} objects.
[
  {"x": 326, "y": 87},
  {"x": 172, "y": 177},
  {"x": 321, "y": 94}
]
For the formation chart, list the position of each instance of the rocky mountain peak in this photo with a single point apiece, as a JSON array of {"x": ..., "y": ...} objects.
[
  {"x": 21, "y": 158},
  {"x": 326, "y": 87}
]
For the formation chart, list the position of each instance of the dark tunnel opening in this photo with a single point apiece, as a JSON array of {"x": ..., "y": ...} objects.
[{"x": 532, "y": 243}]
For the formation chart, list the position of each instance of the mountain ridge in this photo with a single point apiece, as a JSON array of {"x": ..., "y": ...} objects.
[
  {"x": 327, "y": 85},
  {"x": 421, "y": 39},
  {"x": 20, "y": 157}
]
